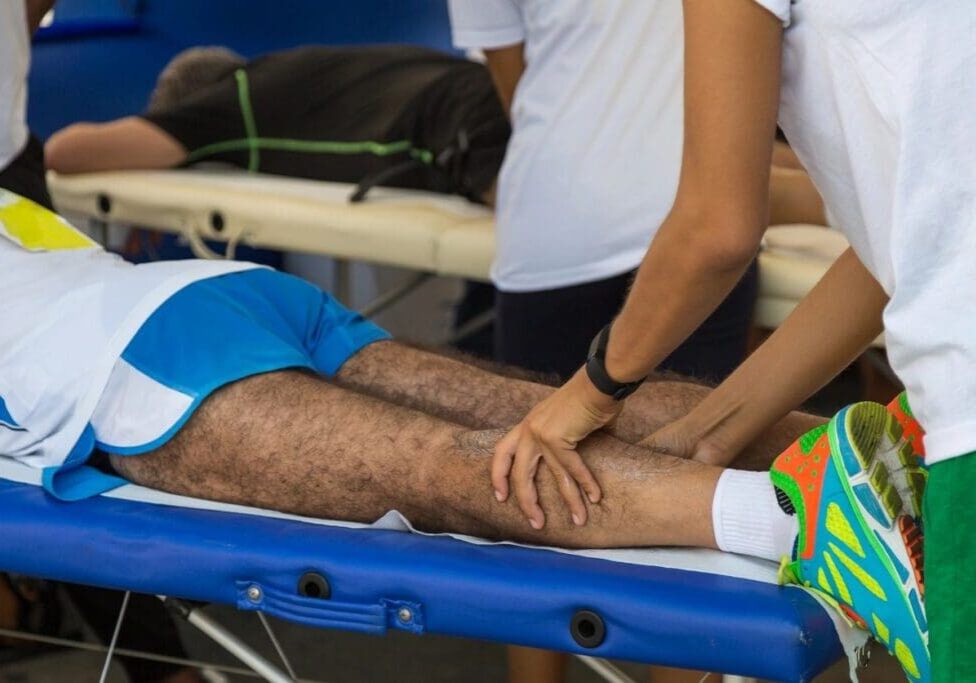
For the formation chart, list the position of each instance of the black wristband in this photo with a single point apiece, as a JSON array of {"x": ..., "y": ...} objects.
[{"x": 596, "y": 369}]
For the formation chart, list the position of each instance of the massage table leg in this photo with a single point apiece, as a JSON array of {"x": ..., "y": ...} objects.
[
  {"x": 98, "y": 230},
  {"x": 340, "y": 280},
  {"x": 605, "y": 670},
  {"x": 229, "y": 641},
  {"x": 611, "y": 674},
  {"x": 392, "y": 296},
  {"x": 472, "y": 326}
]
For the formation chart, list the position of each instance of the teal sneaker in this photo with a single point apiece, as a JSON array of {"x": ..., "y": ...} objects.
[{"x": 856, "y": 489}]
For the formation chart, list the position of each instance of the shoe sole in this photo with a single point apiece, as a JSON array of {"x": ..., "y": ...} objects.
[
  {"x": 882, "y": 482},
  {"x": 891, "y": 467}
]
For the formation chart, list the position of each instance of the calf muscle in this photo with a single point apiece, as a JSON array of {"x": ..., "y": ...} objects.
[
  {"x": 480, "y": 399},
  {"x": 292, "y": 442}
]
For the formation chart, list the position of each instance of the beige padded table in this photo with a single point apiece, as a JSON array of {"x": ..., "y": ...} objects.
[{"x": 427, "y": 233}]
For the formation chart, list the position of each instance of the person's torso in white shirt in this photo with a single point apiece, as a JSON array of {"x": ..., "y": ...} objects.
[
  {"x": 591, "y": 169},
  {"x": 14, "y": 62},
  {"x": 68, "y": 310},
  {"x": 878, "y": 100}
]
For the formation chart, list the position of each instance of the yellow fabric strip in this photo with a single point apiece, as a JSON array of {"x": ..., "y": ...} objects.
[{"x": 35, "y": 228}]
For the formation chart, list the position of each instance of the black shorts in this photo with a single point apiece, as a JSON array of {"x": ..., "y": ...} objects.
[{"x": 550, "y": 331}]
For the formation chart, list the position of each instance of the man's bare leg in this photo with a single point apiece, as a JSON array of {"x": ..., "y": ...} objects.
[
  {"x": 293, "y": 442},
  {"x": 482, "y": 399},
  {"x": 472, "y": 397}
]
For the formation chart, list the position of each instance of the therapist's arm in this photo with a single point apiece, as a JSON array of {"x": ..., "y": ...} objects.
[
  {"x": 831, "y": 327},
  {"x": 721, "y": 210},
  {"x": 506, "y": 66},
  {"x": 732, "y": 62}
]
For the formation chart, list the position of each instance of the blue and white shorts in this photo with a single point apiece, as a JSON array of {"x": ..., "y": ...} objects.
[{"x": 209, "y": 334}]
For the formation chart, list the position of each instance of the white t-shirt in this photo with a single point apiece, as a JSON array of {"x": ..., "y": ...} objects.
[
  {"x": 879, "y": 102},
  {"x": 592, "y": 166},
  {"x": 14, "y": 62},
  {"x": 67, "y": 312}
]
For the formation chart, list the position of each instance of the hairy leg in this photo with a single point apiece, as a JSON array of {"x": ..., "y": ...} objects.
[
  {"x": 293, "y": 442},
  {"x": 469, "y": 395}
]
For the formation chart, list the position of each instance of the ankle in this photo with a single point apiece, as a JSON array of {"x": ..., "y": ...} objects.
[{"x": 747, "y": 519}]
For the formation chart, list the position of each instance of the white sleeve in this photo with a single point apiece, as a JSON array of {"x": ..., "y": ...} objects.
[
  {"x": 781, "y": 8},
  {"x": 485, "y": 23}
]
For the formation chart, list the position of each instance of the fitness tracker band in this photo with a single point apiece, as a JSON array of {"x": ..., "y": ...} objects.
[{"x": 596, "y": 369}]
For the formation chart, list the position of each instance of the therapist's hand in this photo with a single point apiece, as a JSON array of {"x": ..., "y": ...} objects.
[
  {"x": 551, "y": 433},
  {"x": 683, "y": 439}
]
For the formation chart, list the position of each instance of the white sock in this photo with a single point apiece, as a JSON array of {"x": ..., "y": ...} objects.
[{"x": 748, "y": 520}]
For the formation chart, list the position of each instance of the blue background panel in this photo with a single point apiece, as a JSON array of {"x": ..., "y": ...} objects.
[{"x": 100, "y": 58}]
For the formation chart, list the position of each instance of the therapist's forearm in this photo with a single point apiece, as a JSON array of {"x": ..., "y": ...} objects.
[
  {"x": 732, "y": 64},
  {"x": 506, "y": 66},
  {"x": 840, "y": 317},
  {"x": 686, "y": 274}
]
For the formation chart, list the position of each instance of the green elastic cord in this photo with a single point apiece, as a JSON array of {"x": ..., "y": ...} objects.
[
  {"x": 380, "y": 149},
  {"x": 254, "y": 144},
  {"x": 244, "y": 98}
]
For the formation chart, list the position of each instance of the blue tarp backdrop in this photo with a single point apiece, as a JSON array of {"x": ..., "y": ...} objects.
[{"x": 100, "y": 58}]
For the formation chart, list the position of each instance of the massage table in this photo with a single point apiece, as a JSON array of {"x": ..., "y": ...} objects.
[
  {"x": 422, "y": 232},
  {"x": 680, "y": 608},
  {"x": 686, "y": 608}
]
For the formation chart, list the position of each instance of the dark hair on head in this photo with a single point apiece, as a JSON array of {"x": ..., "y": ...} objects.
[{"x": 190, "y": 71}]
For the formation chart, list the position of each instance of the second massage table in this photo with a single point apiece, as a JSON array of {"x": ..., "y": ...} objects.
[{"x": 418, "y": 231}]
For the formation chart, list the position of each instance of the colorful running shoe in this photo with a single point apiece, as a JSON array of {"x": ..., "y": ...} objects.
[{"x": 852, "y": 484}]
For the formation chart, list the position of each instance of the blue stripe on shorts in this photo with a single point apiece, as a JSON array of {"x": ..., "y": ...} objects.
[{"x": 220, "y": 330}]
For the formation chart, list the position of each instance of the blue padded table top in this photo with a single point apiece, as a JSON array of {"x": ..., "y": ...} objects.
[{"x": 441, "y": 585}]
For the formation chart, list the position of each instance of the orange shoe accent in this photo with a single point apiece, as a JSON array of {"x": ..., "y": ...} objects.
[
  {"x": 915, "y": 545},
  {"x": 853, "y": 616},
  {"x": 912, "y": 430},
  {"x": 805, "y": 462}
]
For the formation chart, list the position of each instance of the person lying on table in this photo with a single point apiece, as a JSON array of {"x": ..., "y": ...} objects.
[
  {"x": 396, "y": 115},
  {"x": 280, "y": 398}
]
